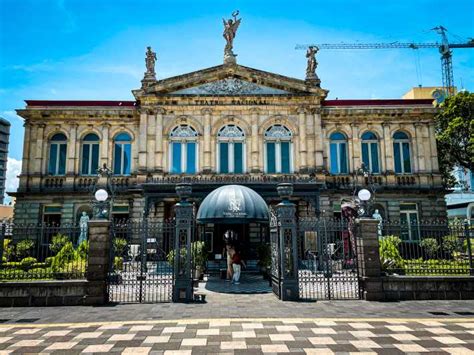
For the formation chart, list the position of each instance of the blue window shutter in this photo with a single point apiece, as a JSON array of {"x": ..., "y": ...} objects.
[
  {"x": 224, "y": 157},
  {"x": 118, "y": 159},
  {"x": 53, "y": 154},
  {"x": 285, "y": 157},
  {"x": 191, "y": 158},
  {"x": 374, "y": 151},
  {"x": 397, "y": 158},
  {"x": 95, "y": 159},
  {"x": 343, "y": 156},
  {"x": 406, "y": 158},
  {"x": 127, "y": 158},
  {"x": 238, "y": 158},
  {"x": 176, "y": 158},
  {"x": 334, "y": 159},
  {"x": 365, "y": 155},
  {"x": 271, "y": 162},
  {"x": 85, "y": 159},
  {"x": 62, "y": 159}
]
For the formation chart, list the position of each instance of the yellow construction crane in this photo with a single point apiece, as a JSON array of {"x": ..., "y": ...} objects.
[{"x": 444, "y": 49}]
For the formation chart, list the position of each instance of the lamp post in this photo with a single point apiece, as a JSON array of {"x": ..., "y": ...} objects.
[
  {"x": 103, "y": 197},
  {"x": 364, "y": 195}
]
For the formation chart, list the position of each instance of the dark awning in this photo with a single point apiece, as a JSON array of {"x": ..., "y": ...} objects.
[{"x": 233, "y": 204}]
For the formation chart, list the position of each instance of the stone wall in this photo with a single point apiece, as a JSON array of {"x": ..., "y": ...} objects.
[
  {"x": 403, "y": 288},
  {"x": 44, "y": 293}
]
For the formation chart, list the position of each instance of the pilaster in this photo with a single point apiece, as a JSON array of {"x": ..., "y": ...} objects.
[
  {"x": 39, "y": 148},
  {"x": 254, "y": 163},
  {"x": 303, "y": 166},
  {"x": 104, "y": 147},
  {"x": 142, "y": 135},
  {"x": 71, "y": 147},
  {"x": 318, "y": 140},
  {"x": 207, "y": 166},
  {"x": 159, "y": 140},
  {"x": 151, "y": 141}
]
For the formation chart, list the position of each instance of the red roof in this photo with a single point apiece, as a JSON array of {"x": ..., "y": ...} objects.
[
  {"x": 382, "y": 102},
  {"x": 79, "y": 103}
]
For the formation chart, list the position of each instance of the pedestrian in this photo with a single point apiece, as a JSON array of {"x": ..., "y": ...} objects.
[
  {"x": 237, "y": 264},
  {"x": 229, "y": 251}
]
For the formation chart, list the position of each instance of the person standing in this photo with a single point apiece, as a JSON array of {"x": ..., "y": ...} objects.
[
  {"x": 237, "y": 264},
  {"x": 229, "y": 251}
]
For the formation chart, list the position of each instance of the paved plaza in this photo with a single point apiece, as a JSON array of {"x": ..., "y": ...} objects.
[{"x": 242, "y": 324}]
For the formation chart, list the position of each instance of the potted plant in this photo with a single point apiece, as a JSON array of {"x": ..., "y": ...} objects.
[
  {"x": 265, "y": 260},
  {"x": 199, "y": 254}
]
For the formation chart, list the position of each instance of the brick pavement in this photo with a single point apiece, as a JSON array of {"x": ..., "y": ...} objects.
[{"x": 244, "y": 336}]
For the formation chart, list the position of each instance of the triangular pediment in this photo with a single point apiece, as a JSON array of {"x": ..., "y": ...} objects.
[{"x": 233, "y": 80}]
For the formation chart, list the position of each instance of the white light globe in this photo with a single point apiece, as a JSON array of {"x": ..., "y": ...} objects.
[
  {"x": 101, "y": 195},
  {"x": 364, "y": 195}
]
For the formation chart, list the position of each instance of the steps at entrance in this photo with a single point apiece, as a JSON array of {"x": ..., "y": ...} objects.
[{"x": 214, "y": 266}]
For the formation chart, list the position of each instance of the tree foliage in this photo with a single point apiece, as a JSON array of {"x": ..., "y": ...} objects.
[{"x": 455, "y": 133}]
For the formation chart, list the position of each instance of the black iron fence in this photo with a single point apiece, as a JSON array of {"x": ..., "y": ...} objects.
[
  {"x": 426, "y": 248},
  {"x": 42, "y": 252}
]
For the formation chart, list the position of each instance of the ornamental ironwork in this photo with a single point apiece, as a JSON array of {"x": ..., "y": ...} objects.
[
  {"x": 231, "y": 131},
  {"x": 183, "y": 131},
  {"x": 278, "y": 132}
]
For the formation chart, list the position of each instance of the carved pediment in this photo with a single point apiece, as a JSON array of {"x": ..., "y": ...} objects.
[{"x": 230, "y": 86}]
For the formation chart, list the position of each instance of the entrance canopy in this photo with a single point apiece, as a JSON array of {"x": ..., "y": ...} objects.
[{"x": 233, "y": 204}]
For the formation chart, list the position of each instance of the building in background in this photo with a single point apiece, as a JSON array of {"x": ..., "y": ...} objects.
[
  {"x": 4, "y": 140},
  {"x": 461, "y": 201}
]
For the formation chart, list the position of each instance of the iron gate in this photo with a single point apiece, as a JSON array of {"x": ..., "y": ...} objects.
[
  {"x": 139, "y": 268},
  {"x": 327, "y": 260}
]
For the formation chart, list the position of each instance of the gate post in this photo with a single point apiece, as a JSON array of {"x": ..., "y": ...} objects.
[
  {"x": 183, "y": 285},
  {"x": 287, "y": 239},
  {"x": 98, "y": 261},
  {"x": 370, "y": 268}
]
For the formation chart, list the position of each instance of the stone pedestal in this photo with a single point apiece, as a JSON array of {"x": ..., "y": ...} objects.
[
  {"x": 368, "y": 257},
  {"x": 98, "y": 261}
]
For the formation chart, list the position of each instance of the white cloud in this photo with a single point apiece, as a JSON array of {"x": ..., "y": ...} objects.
[
  {"x": 12, "y": 181},
  {"x": 10, "y": 115}
]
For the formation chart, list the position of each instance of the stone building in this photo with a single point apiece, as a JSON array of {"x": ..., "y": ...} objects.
[
  {"x": 4, "y": 140},
  {"x": 228, "y": 124}
]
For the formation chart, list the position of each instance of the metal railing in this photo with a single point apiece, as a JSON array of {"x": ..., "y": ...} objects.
[
  {"x": 42, "y": 252},
  {"x": 426, "y": 248}
]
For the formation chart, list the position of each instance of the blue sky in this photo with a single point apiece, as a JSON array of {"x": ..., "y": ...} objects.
[{"x": 91, "y": 49}]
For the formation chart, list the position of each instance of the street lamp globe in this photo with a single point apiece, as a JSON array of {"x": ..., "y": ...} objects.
[
  {"x": 364, "y": 195},
  {"x": 101, "y": 195}
]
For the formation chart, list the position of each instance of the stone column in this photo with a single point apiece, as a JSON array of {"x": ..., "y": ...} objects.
[
  {"x": 288, "y": 248},
  {"x": 39, "y": 148},
  {"x": 355, "y": 142},
  {"x": 418, "y": 141},
  {"x": 254, "y": 152},
  {"x": 151, "y": 141},
  {"x": 142, "y": 141},
  {"x": 318, "y": 140},
  {"x": 71, "y": 148},
  {"x": 26, "y": 150},
  {"x": 303, "y": 166},
  {"x": 368, "y": 258},
  {"x": 434, "y": 148},
  {"x": 159, "y": 140},
  {"x": 104, "y": 146},
  {"x": 207, "y": 166},
  {"x": 183, "y": 282},
  {"x": 386, "y": 147},
  {"x": 33, "y": 151},
  {"x": 98, "y": 262}
]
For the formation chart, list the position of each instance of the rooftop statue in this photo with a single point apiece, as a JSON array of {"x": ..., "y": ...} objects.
[
  {"x": 230, "y": 29},
  {"x": 150, "y": 62},
  {"x": 312, "y": 63}
]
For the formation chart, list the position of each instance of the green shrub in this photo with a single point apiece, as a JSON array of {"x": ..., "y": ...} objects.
[
  {"x": 11, "y": 265},
  {"x": 119, "y": 244},
  {"x": 466, "y": 246},
  {"x": 65, "y": 255},
  {"x": 118, "y": 263},
  {"x": 451, "y": 244},
  {"x": 4, "y": 259},
  {"x": 49, "y": 260},
  {"x": 264, "y": 255},
  {"x": 199, "y": 254},
  {"x": 390, "y": 257},
  {"x": 12, "y": 274},
  {"x": 58, "y": 242},
  {"x": 82, "y": 250},
  {"x": 23, "y": 248},
  {"x": 430, "y": 245},
  {"x": 28, "y": 262},
  {"x": 7, "y": 250}
]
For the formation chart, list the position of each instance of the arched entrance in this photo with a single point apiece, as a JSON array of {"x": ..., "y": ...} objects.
[{"x": 242, "y": 211}]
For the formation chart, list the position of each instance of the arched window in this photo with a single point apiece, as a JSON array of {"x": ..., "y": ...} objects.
[
  {"x": 230, "y": 150},
  {"x": 122, "y": 154},
  {"x": 278, "y": 150},
  {"x": 338, "y": 153},
  {"x": 370, "y": 152},
  {"x": 57, "y": 154},
  {"x": 183, "y": 150},
  {"x": 401, "y": 153},
  {"x": 90, "y": 154}
]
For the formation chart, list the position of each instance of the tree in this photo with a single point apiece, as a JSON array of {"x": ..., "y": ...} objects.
[{"x": 455, "y": 133}]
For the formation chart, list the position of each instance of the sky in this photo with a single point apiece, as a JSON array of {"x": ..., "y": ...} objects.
[{"x": 94, "y": 49}]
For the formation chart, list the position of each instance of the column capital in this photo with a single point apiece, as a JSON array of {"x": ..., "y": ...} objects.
[
  {"x": 302, "y": 109},
  {"x": 206, "y": 111},
  {"x": 254, "y": 110}
]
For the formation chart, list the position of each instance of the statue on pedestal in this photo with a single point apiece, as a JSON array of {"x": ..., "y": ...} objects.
[
  {"x": 150, "y": 75},
  {"x": 378, "y": 217},
  {"x": 312, "y": 64},
  {"x": 230, "y": 30},
  {"x": 83, "y": 225}
]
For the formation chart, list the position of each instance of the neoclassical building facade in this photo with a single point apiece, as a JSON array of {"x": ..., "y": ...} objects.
[{"x": 222, "y": 125}]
